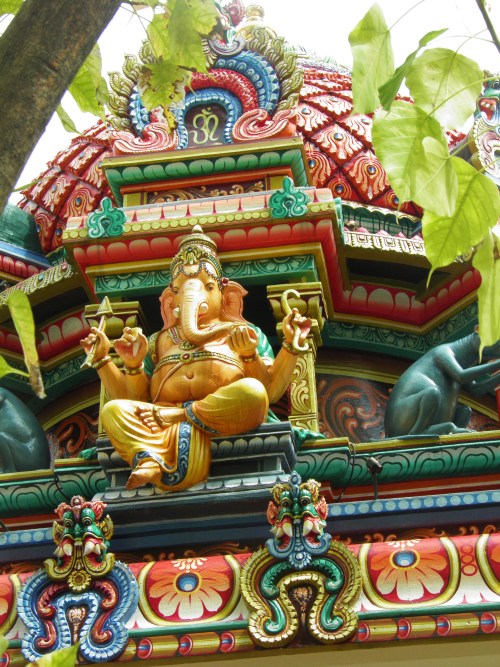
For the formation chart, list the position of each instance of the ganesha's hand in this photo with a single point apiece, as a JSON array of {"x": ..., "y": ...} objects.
[
  {"x": 150, "y": 418},
  {"x": 158, "y": 418},
  {"x": 296, "y": 329},
  {"x": 132, "y": 347},
  {"x": 243, "y": 340},
  {"x": 101, "y": 342}
]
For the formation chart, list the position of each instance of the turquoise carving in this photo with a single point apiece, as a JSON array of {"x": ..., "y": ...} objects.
[
  {"x": 249, "y": 272},
  {"x": 84, "y": 594},
  {"x": 299, "y": 524},
  {"x": 289, "y": 202},
  {"x": 106, "y": 221},
  {"x": 398, "y": 343},
  {"x": 168, "y": 170},
  {"x": 302, "y": 580}
]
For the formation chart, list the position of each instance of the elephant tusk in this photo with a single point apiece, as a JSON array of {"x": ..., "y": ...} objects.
[{"x": 285, "y": 306}]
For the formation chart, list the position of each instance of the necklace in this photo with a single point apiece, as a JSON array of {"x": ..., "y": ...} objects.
[{"x": 183, "y": 344}]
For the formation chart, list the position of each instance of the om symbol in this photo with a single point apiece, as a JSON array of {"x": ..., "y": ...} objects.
[{"x": 205, "y": 125}]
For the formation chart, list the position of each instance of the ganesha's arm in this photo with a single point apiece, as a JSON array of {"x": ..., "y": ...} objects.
[
  {"x": 281, "y": 373},
  {"x": 120, "y": 385},
  {"x": 275, "y": 375},
  {"x": 138, "y": 387},
  {"x": 113, "y": 380}
]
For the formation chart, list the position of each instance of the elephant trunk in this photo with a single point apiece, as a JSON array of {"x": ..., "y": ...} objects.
[{"x": 193, "y": 301}]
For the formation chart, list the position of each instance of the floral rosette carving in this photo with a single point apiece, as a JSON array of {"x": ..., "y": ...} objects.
[
  {"x": 302, "y": 581},
  {"x": 488, "y": 558},
  {"x": 416, "y": 572},
  {"x": 9, "y": 588},
  {"x": 189, "y": 589}
]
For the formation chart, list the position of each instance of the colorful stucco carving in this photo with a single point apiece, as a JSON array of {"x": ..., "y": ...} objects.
[{"x": 397, "y": 539}]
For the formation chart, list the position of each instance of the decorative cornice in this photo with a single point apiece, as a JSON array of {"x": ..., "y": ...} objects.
[
  {"x": 384, "y": 243},
  {"x": 405, "y": 459},
  {"x": 39, "y": 493},
  {"x": 399, "y": 343},
  {"x": 246, "y": 271},
  {"x": 210, "y": 212},
  {"x": 41, "y": 281},
  {"x": 136, "y": 170},
  {"x": 463, "y": 600}
]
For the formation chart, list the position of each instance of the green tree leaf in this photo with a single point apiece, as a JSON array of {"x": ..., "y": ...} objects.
[
  {"x": 65, "y": 657},
  {"x": 162, "y": 84},
  {"x": 65, "y": 119},
  {"x": 373, "y": 60},
  {"x": 4, "y": 644},
  {"x": 445, "y": 84},
  {"x": 176, "y": 39},
  {"x": 389, "y": 90},
  {"x": 9, "y": 6},
  {"x": 189, "y": 20},
  {"x": 418, "y": 169},
  {"x": 22, "y": 316},
  {"x": 487, "y": 263},
  {"x": 203, "y": 14},
  {"x": 5, "y": 369},
  {"x": 158, "y": 37},
  {"x": 147, "y": 3},
  {"x": 89, "y": 88},
  {"x": 477, "y": 210}
]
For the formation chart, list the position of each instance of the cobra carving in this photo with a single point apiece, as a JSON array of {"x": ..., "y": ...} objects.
[{"x": 301, "y": 580}]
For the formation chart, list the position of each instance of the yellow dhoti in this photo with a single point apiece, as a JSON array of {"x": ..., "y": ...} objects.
[{"x": 182, "y": 449}]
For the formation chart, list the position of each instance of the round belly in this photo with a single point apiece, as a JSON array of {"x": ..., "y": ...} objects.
[{"x": 193, "y": 381}]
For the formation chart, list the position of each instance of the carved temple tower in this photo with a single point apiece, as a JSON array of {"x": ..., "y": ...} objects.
[{"x": 399, "y": 541}]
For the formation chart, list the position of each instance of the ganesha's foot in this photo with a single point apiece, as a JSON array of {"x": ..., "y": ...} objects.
[{"x": 148, "y": 472}]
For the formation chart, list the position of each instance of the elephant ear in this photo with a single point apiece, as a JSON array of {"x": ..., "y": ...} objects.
[
  {"x": 232, "y": 302},
  {"x": 167, "y": 307}
]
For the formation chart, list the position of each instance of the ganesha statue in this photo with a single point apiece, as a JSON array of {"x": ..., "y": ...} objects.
[{"x": 208, "y": 373}]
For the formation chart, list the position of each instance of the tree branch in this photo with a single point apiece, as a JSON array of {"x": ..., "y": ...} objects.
[
  {"x": 40, "y": 53},
  {"x": 489, "y": 23}
]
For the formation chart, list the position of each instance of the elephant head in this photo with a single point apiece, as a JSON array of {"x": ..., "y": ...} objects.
[{"x": 199, "y": 299}]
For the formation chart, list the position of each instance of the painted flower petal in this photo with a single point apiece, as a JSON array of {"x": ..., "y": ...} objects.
[
  {"x": 190, "y": 607},
  {"x": 210, "y": 598},
  {"x": 169, "y": 603},
  {"x": 409, "y": 586},
  {"x": 433, "y": 581},
  {"x": 388, "y": 579}
]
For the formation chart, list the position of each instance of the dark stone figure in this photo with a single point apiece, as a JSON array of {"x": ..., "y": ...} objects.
[
  {"x": 23, "y": 443},
  {"x": 425, "y": 398}
]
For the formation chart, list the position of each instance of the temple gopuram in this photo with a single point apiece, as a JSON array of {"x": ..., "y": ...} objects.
[{"x": 303, "y": 466}]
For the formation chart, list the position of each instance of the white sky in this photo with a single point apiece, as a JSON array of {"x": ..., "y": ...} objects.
[{"x": 321, "y": 26}]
